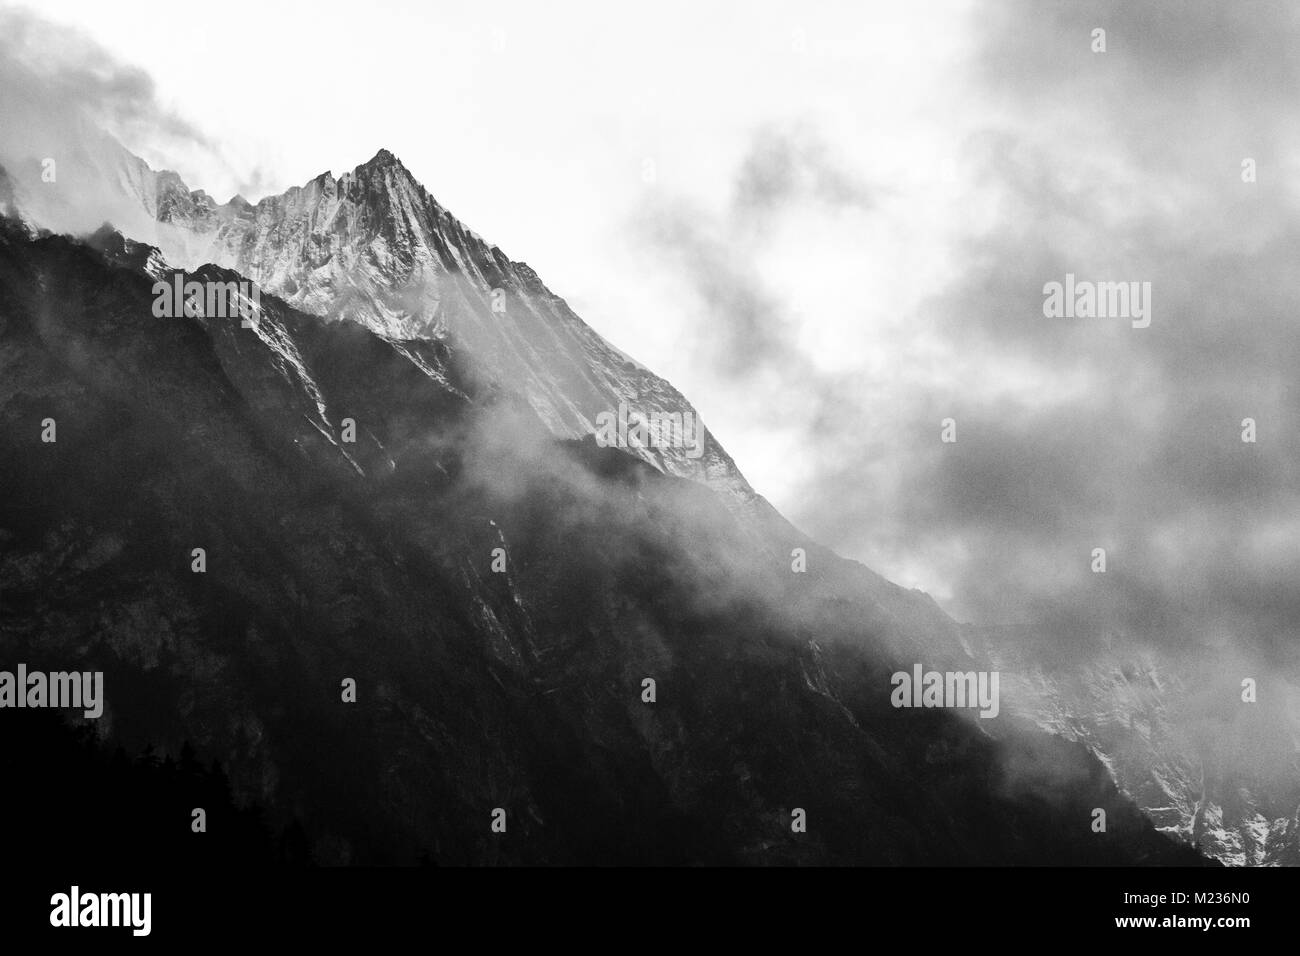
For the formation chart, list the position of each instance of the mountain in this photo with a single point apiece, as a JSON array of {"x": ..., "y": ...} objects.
[
  {"x": 407, "y": 498},
  {"x": 374, "y": 247}
]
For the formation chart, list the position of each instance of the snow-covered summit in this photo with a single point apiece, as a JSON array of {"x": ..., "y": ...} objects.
[{"x": 374, "y": 247}]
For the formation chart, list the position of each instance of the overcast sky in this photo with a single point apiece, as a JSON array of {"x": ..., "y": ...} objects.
[{"x": 830, "y": 225}]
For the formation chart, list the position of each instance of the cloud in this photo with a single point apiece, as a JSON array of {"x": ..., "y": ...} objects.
[
  {"x": 1073, "y": 434},
  {"x": 63, "y": 97},
  {"x": 786, "y": 164},
  {"x": 751, "y": 333},
  {"x": 57, "y": 82},
  {"x": 1140, "y": 449}
]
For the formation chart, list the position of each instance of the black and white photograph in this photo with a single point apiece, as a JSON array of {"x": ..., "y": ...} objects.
[{"x": 458, "y": 457}]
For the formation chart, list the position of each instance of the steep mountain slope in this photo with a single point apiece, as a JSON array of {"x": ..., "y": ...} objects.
[
  {"x": 477, "y": 688},
  {"x": 375, "y": 247}
]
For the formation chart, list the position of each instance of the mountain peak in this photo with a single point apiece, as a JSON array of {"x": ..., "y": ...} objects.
[
  {"x": 383, "y": 159},
  {"x": 375, "y": 247}
]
